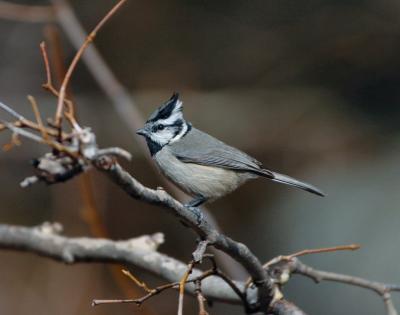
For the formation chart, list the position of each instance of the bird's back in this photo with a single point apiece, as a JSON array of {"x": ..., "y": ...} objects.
[{"x": 199, "y": 147}]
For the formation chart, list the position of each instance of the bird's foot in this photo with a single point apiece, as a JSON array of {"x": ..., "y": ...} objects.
[{"x": 197, "y": 212}]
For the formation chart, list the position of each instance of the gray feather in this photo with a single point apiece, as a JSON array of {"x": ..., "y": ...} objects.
[
  {"x": 200, "y": 148},
  {"x": 284, "y": 179},
  {"x": 209, "y": 151}
]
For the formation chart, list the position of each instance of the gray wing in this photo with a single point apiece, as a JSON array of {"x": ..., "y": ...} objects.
[{"x": 201, "y": 148}]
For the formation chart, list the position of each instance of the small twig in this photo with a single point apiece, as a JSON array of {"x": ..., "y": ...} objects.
[
  {"x": 233, "y": 286},
  {"x": 197, "y": 255},
  {"x": 139, "y": 301},
  {"x": 22, "y": 132},
  {"x": 36, "y": 138},
  {"x": 22, "y": 122},
  {"x": 325, "y": 250},
  {"x": 200, "y": 299},
  {"x": 70, "y": 113},
  {"x": 155, "y": 291},
  {"x": 11, "y": 111},
  {"x": 49, "y": 82},
  {"x": 39, "y": 121},
  {"x": 182, "y": 285},
  {"x": 305, "y": 252},
  {"x": 89, "y": 39},
  {"x": 139, "y": 283}
]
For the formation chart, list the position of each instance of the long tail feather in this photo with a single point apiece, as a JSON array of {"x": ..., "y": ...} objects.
[{"x": 284, "y": 179}]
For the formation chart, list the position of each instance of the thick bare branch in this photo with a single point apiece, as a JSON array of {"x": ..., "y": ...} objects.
[{"x": 45, "y": 241}]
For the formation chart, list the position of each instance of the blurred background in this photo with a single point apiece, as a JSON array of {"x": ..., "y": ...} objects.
[{"x": 310, "y": 88}]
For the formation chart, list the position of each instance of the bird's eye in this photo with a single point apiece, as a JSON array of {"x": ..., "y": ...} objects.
[{"x": 160, "y": 127}]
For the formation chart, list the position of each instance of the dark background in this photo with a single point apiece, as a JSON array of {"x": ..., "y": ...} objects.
[{"x": 308, "y": 87}]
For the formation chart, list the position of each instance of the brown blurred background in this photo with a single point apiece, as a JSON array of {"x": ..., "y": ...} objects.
[{"x": 308, "y": 87}]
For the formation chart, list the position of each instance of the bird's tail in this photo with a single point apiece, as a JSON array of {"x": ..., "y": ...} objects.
[{"x": 284, "y": 179}]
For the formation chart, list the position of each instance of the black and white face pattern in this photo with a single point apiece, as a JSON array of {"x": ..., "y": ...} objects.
[{"x": 166, "y": 125}]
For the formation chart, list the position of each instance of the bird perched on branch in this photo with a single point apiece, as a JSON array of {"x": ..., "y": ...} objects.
[{"x": 199, "y": 164}]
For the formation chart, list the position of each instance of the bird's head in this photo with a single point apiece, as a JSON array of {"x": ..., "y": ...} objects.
[{"x": 166, "y": 125}]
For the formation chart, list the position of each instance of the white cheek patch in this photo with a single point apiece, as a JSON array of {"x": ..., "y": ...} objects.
[{"x": 162, "y": 137}]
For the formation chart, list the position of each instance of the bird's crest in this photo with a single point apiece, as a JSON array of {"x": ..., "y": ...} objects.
[{"x": 169, "y": 112}]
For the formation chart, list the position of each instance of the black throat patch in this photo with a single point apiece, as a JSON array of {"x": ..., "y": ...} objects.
[{"x": 154, "y": 147}]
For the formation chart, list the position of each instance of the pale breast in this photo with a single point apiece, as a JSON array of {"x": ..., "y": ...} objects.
[{"x": 210, "y": 182}]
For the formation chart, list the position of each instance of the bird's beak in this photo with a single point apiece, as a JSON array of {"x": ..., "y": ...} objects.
[{"x": 141, "y": 132}]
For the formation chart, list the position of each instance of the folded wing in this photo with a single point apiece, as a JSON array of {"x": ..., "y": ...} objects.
[{"x": 200, "y": 148}]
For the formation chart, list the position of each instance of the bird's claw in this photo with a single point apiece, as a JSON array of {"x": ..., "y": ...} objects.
[{"x": 197, "y": 212}]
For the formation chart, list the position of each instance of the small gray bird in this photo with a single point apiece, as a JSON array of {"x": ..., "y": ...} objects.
[{"x": 199, "y": 164}]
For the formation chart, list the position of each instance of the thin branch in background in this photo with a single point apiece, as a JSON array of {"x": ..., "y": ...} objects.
[
  {"x": 38, "y": 117},
  {"x": 58, "y": 62},
  {"x": 153, "y": 292},
  {"x": 49, "y": 81},
  {"x": 305, "y": 252},
  {"x": 198, "y": 256},
  {"x": 139, "y": 301},
  {"x": 201, "y": 300},
  {"x": 23, "y": 122},
  {"x": 282, "y": 268},
  {"x": 49, "y": 86},
  {"x": 139, "y": 283},
  {"x": 28, "y": 134},
  {"x": 122, "y": 101},
  {"x": 71, "y": 68},
  {"x": 12, "y": 112},
  {"x": 298, "y": 267},
  {"x": 182, "y": 284}
]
